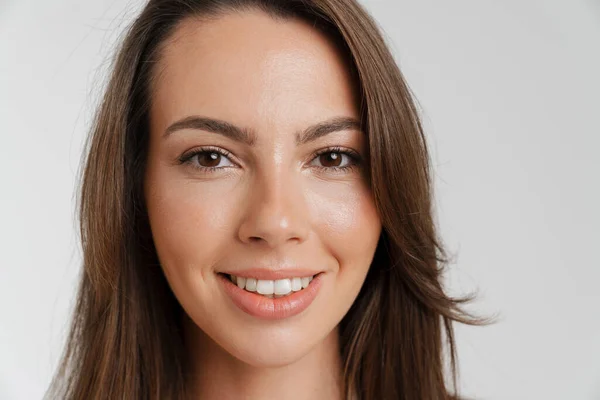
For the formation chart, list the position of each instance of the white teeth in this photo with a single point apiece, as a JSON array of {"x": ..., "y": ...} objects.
[
  {"x": 241, "y": 282},
  {"x": 283, "y": 286},
  {"x": 296, "y": 284},
  {"x": 251, "y": 285},
  {"x": 272, "y": 289},
  {"x": 265, "y": 287}
]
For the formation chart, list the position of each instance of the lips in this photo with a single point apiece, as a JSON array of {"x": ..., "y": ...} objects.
[{"x": 257, "y": 305}]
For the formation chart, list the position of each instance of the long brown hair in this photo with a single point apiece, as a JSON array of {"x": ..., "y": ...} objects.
[{"x": 126, "y": 339}]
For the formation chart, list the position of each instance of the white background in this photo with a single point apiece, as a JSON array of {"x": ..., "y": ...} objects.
[{"x": 510, "y": 92}]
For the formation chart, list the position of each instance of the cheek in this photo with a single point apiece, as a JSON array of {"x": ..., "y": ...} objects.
[
  {"x": 347, "y": 214},
  {"x": 349, "y": 227},
  {"x": 185, "y": 217}
]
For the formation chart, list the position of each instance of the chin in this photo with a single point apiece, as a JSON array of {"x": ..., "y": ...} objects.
[
  {"x": 275, "y": 356},
  {"x": 272, "y": 346}
]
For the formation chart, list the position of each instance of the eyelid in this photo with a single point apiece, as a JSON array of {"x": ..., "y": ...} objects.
[
  {"x": 188, "y": 155},
  {"x": 338, "y": 149}
]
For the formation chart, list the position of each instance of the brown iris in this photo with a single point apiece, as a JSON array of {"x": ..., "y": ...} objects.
[
  {"x": 212, "y": 159},
  {"x": 330, "y": 157}
]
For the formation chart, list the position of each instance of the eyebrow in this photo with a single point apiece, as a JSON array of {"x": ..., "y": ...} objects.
[{"x": 248, "y": 136}]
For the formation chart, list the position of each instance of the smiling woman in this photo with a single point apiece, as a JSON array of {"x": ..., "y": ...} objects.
[{"x": 256, "y": 215}]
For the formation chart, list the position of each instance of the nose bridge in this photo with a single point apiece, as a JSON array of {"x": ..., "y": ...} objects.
[{"x": 275, "y": 210}]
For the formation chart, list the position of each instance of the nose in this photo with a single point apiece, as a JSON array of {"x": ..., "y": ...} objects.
[{"x": 275, "y": 212}]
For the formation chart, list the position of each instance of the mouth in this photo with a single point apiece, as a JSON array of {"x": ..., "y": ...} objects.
[
  {"x": 272, "y": 289},
  {"x": 271, "y": 299}
]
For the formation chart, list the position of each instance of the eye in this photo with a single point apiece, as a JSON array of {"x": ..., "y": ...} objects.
[
  {"x": 211, "y": 159},
  {"x": 336, "y": 159},
  {"x": 207, "y": 159}
]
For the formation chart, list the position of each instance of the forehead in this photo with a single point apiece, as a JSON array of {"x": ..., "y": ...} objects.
[{"x": 250, "y": 69}]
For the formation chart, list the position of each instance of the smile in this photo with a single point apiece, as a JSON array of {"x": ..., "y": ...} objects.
[{"x": 271, "y": 299}]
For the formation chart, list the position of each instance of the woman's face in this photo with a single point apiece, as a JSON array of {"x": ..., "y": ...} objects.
[{"x": 259, "y": 202}]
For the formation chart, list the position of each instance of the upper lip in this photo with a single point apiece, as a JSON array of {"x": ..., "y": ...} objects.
[{"x": 273, "y": 274}]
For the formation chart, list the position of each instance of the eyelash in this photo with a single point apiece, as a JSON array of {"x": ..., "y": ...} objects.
[{"x": 355, "y": 158}]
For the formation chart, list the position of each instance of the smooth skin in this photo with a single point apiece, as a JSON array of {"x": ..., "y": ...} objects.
[{"x": 273, "y": 203}]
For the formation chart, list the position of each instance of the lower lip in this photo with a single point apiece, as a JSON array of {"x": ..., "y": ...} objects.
[{"x": 277, "y": 308}]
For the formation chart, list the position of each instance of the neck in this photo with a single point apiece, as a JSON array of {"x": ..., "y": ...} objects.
[{"x": 216, "y": 374}]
